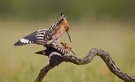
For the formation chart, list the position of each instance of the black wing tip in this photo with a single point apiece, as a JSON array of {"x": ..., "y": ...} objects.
[
  {"x": 19, "y": 43},
  {"x": 16, "y": 45}
]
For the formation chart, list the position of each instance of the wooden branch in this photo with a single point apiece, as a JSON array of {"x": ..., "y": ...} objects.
[
  {"x": 82, "y": 61},
  {"x": 43, "y": 72}
]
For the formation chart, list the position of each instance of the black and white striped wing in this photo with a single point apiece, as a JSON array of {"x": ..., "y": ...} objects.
[
  {"x": 37, "y": 37},
  {"x": 61, "y": 50},
  {"x": 50, "y": 50}
]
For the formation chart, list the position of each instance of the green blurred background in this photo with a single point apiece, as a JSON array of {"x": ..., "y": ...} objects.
[
  {"x": 44, "y": 9},
  {"x": 106, "y": 24}
]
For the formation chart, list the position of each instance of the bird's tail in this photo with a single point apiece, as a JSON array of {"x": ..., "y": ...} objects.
[{"x": 42, "y": 52}]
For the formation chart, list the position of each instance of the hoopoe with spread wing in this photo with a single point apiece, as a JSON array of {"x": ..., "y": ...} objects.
[
  {"x": 47, "y": 36},
  {"x": 50, "y": 50}
]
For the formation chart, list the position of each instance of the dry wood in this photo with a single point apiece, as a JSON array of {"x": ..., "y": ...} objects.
[{"x": 82, "y": 61}]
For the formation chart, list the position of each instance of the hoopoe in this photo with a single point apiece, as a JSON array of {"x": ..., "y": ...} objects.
[
  {"x": 55, "y": 53},
  {"x": 50, "y": 50},
  {"x": 47, "y": 36}
]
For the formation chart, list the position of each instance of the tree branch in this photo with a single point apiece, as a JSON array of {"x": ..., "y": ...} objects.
[
  {"x": 43, "y": 72},
  {"x": 81, "y": 61}
]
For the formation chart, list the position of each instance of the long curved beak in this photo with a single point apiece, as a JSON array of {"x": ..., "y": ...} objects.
[
  {"x": 72, "y": 52},
  {"x": 69, "y": 36}
]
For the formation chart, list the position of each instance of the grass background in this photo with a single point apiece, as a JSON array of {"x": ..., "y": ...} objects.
[{"x": 20, "y": 64}]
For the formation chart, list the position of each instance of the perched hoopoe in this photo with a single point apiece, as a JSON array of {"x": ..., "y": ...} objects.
[
  {"x": 55, "y": 53},
  {"x": 50, "y": 50},
  {"x": 47, "y": 36}
]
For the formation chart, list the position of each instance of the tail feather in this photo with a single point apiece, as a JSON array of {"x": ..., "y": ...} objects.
[{"x": 43, "y": 52}]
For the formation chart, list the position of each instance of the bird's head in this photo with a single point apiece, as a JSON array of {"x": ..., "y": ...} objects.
[
  {"x": 61, "y": 27},
  {"x": 65, "y": 23}
]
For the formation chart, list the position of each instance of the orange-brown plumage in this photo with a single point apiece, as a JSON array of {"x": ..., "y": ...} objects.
[
  {"x": 67, "y": 47},
  {"x": 61, "y": 28}
]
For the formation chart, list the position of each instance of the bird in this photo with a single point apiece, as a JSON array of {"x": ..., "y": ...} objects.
[
  {"x": 56, "y": 53},
  {"x": 56, "y": 49},
  {"x": 47, "y": 36}
]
